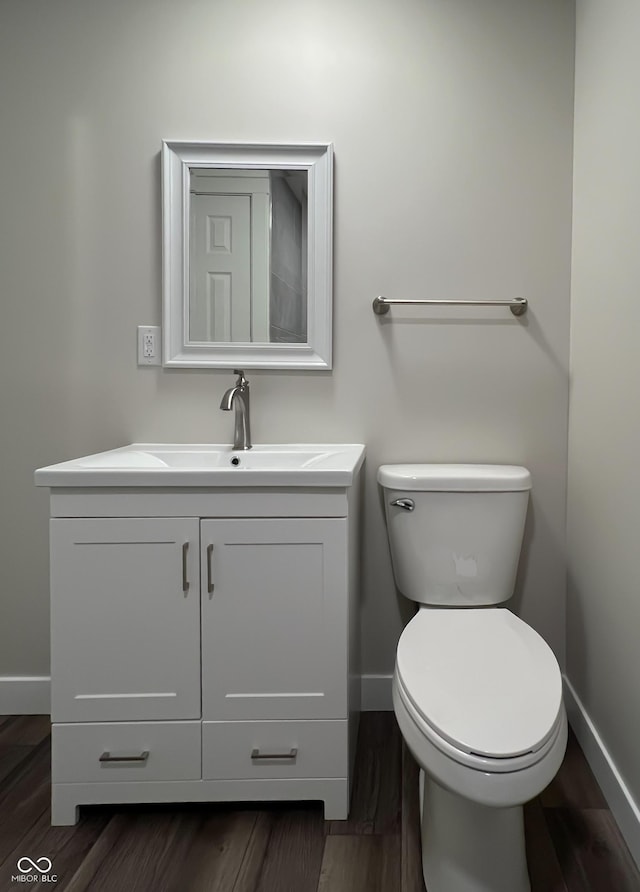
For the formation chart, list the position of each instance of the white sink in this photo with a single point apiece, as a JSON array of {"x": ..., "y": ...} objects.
[
  {"x": 204, "y": 464},
  {"x": 257, "y": 457}
]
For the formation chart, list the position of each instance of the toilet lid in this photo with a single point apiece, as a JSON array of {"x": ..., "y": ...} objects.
[{"x": 482, "y": 679}]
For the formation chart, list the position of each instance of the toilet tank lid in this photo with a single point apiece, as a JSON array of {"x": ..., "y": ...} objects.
[{"x": 454, "y": 478}]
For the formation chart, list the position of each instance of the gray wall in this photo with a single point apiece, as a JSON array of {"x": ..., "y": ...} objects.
[
  {"x": 604, "y": 440},
  {"x": 452, "y": 126}
]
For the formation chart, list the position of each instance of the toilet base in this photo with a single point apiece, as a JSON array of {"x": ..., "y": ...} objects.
[{"x": 467, "y": 847}]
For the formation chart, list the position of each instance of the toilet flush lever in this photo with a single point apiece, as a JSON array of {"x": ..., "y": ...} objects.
[{"x": 407, "y": 504}]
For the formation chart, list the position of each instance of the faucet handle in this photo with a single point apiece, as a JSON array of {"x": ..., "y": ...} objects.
[{"x": 241, "y": 378}]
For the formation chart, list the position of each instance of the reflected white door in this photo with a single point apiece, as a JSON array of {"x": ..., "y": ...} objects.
[{"x": 220, "y": 286}]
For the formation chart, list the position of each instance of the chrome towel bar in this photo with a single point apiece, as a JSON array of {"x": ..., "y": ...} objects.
[{"x": 517, "y": 305}]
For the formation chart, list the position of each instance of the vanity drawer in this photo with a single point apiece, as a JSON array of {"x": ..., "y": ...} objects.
[
  {"x": 126, "y": 751},
  {"x": 240, "y": 750}
]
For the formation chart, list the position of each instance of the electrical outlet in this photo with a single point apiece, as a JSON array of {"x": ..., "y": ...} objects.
[{"x": 148, "y": 345}]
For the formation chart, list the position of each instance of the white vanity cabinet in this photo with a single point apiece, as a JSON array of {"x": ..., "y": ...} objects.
[
  {"x": 125, "y": 628},
  {"x": 274, "y": 647},
  {"x": 204, "y": 645},
  {"x": 274, "y": 618}
]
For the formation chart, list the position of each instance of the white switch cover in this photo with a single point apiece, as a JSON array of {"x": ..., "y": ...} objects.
[{"x": 148, "y": 345}]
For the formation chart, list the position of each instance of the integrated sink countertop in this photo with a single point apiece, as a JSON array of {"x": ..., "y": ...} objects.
[{"x": 209, "y": 464}]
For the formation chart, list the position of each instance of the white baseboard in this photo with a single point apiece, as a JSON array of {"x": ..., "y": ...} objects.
[
  {"x": 621, "y": 802},
  {"x": 376, "y": 693},
  {"x": 25, "y": 695}
]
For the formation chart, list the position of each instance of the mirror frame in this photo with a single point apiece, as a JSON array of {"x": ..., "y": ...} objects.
[{"x": 178, "y": 159}]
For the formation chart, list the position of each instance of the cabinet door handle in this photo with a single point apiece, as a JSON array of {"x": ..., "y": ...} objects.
[
  {"x": 209, "y": 568},
  {"x": 293, "y": 752},
  {"x": 107, "y": 757},
  {"x": 185, "y": 581}
]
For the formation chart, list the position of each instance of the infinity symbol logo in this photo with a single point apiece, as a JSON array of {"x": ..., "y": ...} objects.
[{"x": 34, "y": 865}]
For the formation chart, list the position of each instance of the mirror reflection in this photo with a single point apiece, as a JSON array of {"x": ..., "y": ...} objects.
[{"x": 247, "y": 255}]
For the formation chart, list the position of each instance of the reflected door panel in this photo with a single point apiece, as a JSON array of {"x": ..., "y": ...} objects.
[{"x": 220, "y": 276}]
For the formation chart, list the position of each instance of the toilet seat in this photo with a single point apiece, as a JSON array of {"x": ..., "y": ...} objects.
[{"x": 485, "y": 687}]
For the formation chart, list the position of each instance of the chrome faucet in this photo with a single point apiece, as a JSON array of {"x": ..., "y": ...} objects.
[{"x": 238, "y": 397}]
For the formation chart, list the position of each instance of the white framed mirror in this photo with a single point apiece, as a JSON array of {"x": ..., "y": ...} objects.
[{"x": 247, "y": 234}]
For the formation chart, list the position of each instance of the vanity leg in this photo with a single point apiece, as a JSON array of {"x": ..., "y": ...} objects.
[
  {"x": 64, "y": 808},
  {"x": 336, "y": 801}
]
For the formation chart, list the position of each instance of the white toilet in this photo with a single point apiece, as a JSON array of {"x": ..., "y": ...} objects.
[{"x": 477, "y": 693}]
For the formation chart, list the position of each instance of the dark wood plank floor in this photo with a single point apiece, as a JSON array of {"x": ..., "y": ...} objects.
[{"x": 573, "y": 842}]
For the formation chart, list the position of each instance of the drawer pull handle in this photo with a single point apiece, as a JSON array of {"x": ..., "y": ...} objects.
[
  {"x": 185, "y": 581},
  {"x": 209, "y": 569},
  {"x": 293, "y": 752},
  {"x": 107, "y": 757}
]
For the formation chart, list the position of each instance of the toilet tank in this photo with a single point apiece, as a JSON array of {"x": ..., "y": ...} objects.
[{"x": 456, "y": 534}]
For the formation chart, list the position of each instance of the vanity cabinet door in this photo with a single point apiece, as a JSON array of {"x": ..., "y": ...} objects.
[
  {"x": 125, "y": 611},
  {"x": 274, "y": 618}
]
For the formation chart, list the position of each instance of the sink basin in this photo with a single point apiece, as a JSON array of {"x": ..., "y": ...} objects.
[
  {"x": 253, "y": 458},
  {"x": 202, "y": 464}
]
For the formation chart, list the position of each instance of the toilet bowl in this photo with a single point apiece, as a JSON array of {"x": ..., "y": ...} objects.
[{"x": 477, "y": 693}]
